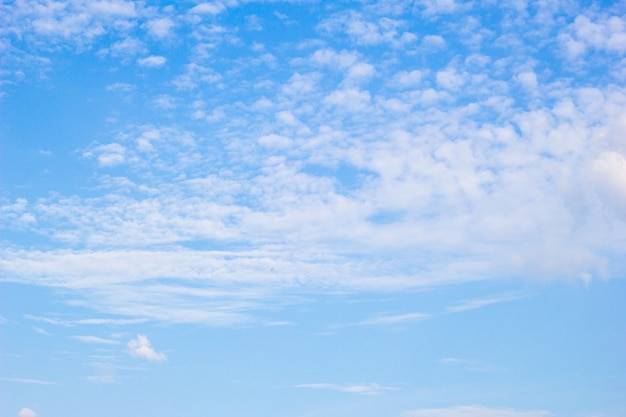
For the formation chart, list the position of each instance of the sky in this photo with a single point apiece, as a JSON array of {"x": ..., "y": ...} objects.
[{"x": 257, "y": 208}]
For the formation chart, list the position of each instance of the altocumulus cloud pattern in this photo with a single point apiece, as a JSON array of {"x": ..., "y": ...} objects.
[{"x": 375, "y": 208}]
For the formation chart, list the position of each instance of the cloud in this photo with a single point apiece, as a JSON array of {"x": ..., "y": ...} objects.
[
  {"x": 95, "y": 340},
  {"x": 27, "y": 412},
  {"x": 160, "y": 28},
  {"x": 474, "y": 411},
  {"x": 482, "y": 302},
  {"x": 601, "y": 33},
  {"x": 368, "y": 30},
  {"x": 104, "y": 373},
  {"x": 141, "y": 348},
  {"x": 152, "y": 61},
  {"x": 29, "y": 381},
  {"x": 360, "y": 389},
  {"x": 120, "y": 87},
  {"x": 212, "y": 8},
  {"x": 356, "y": 167},
  {"x": 433, "y": 7},
  {"x": 107, "y": 155},
  {"x": 390, "y": 320}
]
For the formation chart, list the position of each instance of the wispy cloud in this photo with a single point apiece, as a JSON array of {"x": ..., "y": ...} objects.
[
  {"x": 482, "y": 302},
  {"x": 475, "y": 411},
  {"x": 78, "y": 322},
  {"x": 472, "y": 365},
  {"x": 386, "y": 320},
  {"x": 29, "y": 381},
  {"x": 361, "y": 389},
  {"x": 95, "y": 340}
]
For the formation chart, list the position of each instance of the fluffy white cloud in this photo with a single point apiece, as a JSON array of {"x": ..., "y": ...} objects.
[
  {"x": 141, "y": 348},
  {"x": 602, "y": 33},
  {"x": 160, "y": 28},
  {"x": 152, "y": 61},
  {"x": 107, "y": 155},
  {"x": 27, "y": 412},
  {"x": 211, "y": 8}
]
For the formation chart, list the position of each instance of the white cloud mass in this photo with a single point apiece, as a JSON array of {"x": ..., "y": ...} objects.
[
  {"x": 141, "y": 348},
  {"x": 27, "y": 412}
]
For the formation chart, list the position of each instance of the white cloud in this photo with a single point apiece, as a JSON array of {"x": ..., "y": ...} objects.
[
  {"x": 390, "y": 320},
  {"x": 350, "y": 99},
  {"x": 152, "y": 61},
  {"x": 275, "y": 141},
  {"x": 433, "y": 41},
  {"x": 104, "y": 373},
  {"x": 528, "y": 79},
  {"x": 141, "y": 348},
  {"x": 481, "y": 302},
  {"x": 408, "y": 78},
  {"x": 212, "y": 8},
  {"x": 120, "y": 87},
  {"x": 27, "y": 412},
  {"x": 369, "y": 30},
  {"x": 609, "y": 179},
  {"x": 475, "y": 411},
  {"x": 107, "y": 155},
  {"x": 442, "y": 167},
  {"x": 450, "y": 79},
  {"x": 160, "y": 28},
  {"x": 126, "y": 48},
  {"x": 164, "y": 102},
  {"x": 113, "y": 8},
  {"x": 95, "y": 340},
  {"x": 29, "y": 381},
  {"x": 433, "y": 7},
  {"x": 601, "y": 33},
  {"x": 361, "y": 389}
]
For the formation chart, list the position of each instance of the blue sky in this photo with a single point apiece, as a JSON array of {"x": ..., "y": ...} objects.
[{"x": 303, "y": 208}]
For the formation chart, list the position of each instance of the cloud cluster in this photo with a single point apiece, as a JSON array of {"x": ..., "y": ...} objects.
[{"x": 389, "y": 148}]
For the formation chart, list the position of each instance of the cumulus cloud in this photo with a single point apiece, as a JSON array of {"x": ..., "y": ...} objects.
[
  {"x": 107, "y": 155},
  {"x": 160, "y": 28},
  {"x": 26, "y": 412},
  {"x": 211, "y": 8},
  {"x": 141, "y": 348},
  {"x": 152, "y": 61},
  {"x": 602, "y": 33}
]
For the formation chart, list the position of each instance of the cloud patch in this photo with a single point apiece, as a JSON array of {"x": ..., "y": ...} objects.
[
  {"x": 141, "y": 348},
  {"x": 475, "y": 411},
  {"x": 26, "y": 412}
]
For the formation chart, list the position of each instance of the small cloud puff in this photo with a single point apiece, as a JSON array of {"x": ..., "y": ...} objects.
[
  {"x": 107, "y": 155},
  {"x": 27, "y": 412},
  {"x": 152, "y": 61},
  {"x": 208, "y": 8},
  {"x": 141, "y": 348}
]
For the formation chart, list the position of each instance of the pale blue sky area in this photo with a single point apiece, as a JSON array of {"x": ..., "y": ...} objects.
[{"x": 313, "y": 209}]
